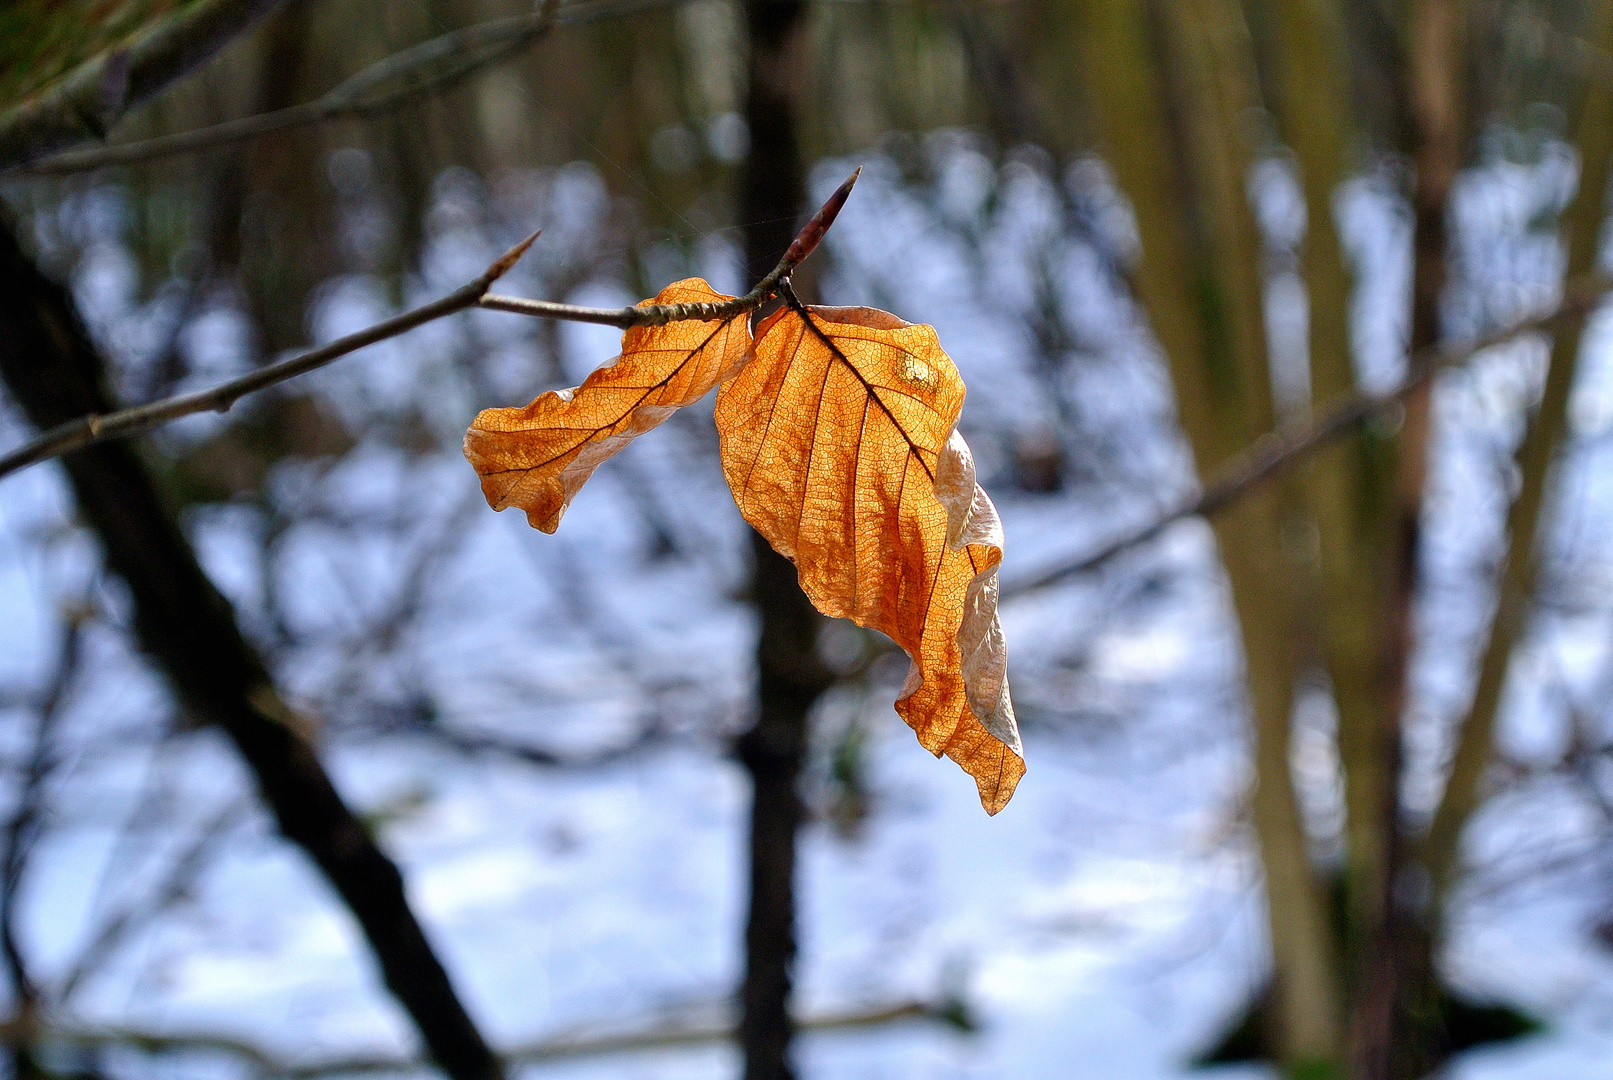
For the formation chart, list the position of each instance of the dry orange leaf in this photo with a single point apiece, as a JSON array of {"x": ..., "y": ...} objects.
[
  {"x": 839, "y": 442},
  {"x": 538, "y": 457}
]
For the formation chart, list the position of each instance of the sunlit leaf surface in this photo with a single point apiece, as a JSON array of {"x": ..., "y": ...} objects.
[
  {"x": 839, "y": 443},
  {"x": 537, "y": 458}
]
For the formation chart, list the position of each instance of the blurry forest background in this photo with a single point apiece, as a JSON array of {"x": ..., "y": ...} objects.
[{"x": 314, "y": 766}]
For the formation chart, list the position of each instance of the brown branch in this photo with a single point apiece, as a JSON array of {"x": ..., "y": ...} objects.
[
  {"x": 462, "y": 53},
  {"x": 1278, "y": 450},
  {"x": 804, "y": 244},
  {"x": 89, "y": 100},
  {"x": 89, "y": 430},
  {"x": 644, "y": 315}
]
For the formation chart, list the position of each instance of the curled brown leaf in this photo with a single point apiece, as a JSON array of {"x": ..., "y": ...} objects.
[{"x": 839, "y": 442}]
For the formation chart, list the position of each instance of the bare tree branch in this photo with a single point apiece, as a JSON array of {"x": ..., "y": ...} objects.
[
  {"x": 640, "y": 315},
  {"x": 174, "y": 886},
  {"x": 89, "y": 430},
  {"x": 88, "y": 101},
  {"x": 1278, "y": 450},
  {"x": 455, "y": 56},
  {"x": 21, "y": 833}
]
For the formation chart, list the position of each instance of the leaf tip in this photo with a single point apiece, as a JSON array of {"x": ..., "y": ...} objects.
[{"x": 997, "y": 789}]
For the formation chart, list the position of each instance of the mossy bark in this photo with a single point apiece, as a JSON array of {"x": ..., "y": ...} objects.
[{"x": 1171, "y": 82}]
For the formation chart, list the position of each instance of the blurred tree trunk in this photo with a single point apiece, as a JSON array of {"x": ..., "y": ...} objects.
[
  {"x": 1582, "y": 229},
  {"x": 1344, "y": 482},
  {"x": 1367, "y": 552},
  {"x": 189, "y": 630},
  {"x": 790, "y": 676},
  {"x": 1396, "y": 1024},
  {"x": 1171, "y": 81},
  {"x": 1437, "y": 859},
  {"x": 1168, "y": 81},
  {"x": 1366, "y": 495},
  {"x": 279, "y": 230}
]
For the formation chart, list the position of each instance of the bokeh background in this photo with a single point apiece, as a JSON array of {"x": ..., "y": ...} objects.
[{"x": 1139, "y": 228}]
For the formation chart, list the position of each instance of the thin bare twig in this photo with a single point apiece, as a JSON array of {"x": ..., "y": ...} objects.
[
  {"x": 661, "y": 314},
  {"x": 1278, "y": 450},
  {"x": 22, "y": 833},
  {"x": 456, "y": 55},
  {"x": 89, "y": 430},
  {"x": 175, "y": 885}
]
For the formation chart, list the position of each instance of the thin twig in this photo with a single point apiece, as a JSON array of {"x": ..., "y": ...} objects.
[
  {"x": 645, "y": 315},
  {"x": 463, "y": 52},
  {"x": 22, "y": 833},
  {"x": 661, "y": 314},
  {"x": 1278, "y": 450},
  {"x": 174, "y": 887},
  {"x": 89, "y": 430}
]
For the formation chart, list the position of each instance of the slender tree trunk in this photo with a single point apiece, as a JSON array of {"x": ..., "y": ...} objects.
[
  {"x": 1172, "y": 81},
  {"x": 1345, "y": 482},
  {"x": 189, "y": 630},
  {"x": 1366, "y": 516},
  {"x": 1396, "y": 1027},
  {"x": 790, "y": 677},
  {"x": 1582, "y": 230}
]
